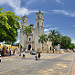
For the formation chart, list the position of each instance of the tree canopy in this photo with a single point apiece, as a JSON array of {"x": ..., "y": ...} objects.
[
  {"x": 57, "y": 38},
  {"x": 65, "y": 42},
  {"x": 27, "y": 30},
  {"x": 42, "y": 39},
  {"x": 52, "y": 36},
  {"x": 8, "y": 26}
]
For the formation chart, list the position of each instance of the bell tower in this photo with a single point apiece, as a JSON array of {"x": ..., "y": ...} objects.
[
  {"x": 39, "y": 29},
  {"x": 24, "y": 21},
  {"x": 39, "y": 19}
]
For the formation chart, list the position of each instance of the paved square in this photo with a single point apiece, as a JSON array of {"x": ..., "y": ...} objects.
[{"x": 48, "y": 64}]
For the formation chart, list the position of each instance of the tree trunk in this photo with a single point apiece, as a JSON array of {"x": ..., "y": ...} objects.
[
  {"x": 42, "y": 46},
  {"x": 26, "y": 40},
  {"x": 11, "y": 45},
  {"x": 53, "y": 45}
]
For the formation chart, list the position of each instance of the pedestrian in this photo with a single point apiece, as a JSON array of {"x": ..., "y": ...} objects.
[
  {"x": 10, "y": 51},
  {"x": 36, "y": 56},
  {"x": 14, "y": 52},
  {"x": 23, "y": 54},
  {"x": 39, "y": 55},
  {"x": 53, "y": 50}
]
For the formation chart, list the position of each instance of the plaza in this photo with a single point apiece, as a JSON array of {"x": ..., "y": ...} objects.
[{"x": 48, "y": 64}]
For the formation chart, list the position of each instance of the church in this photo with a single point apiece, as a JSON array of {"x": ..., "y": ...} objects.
[{"x": 31, "y": 42}]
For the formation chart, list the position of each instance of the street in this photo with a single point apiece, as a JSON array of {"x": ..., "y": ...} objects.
[{"x": 48, "y": 64}]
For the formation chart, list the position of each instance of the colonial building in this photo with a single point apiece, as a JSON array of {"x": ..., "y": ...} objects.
[{"x": 32, "y": 40}]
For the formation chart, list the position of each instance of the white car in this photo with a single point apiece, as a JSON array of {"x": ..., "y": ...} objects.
[{"x": 0, "y": 57}]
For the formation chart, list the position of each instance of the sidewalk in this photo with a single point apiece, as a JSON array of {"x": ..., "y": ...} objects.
[
  {"x": 73, "y": 68},
  {"x": 15, "y": 55}
]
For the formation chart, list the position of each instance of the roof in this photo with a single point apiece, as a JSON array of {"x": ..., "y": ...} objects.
[{"x": 39, "y": 12}]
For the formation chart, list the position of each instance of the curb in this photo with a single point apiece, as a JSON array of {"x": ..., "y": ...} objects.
[{"x": 70, "y": 70}]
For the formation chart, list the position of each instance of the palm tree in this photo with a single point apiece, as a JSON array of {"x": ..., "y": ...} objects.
[
  {"x": 42, "y": 39},
  {"x": 27, "y": 31},
  {"x": 52, "y": 35}
]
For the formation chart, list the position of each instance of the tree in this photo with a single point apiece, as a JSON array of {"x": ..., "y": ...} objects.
[
  {"x": 57, "y": 38},
  {"x": 52, "y": 36},
  {"x": 65, "y": 42},
  {"x": 71, "y": 46},
  {"x": 27, "y": 31},
  {"x": 8, "y": 26},
  {"x": 42, "y": 39}
]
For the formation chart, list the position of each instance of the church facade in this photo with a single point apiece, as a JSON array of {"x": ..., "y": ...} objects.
[{"x": 31, "y": 42}]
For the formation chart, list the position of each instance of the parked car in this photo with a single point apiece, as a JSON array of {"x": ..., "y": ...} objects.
[{"x": 33, "y": 52}]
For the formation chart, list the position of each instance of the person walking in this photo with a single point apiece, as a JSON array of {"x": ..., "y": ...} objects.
[
  {"x": 39, "y": 55},
  {"x": 36, "y": 56},
  {"x": 23, "y": 54},
  {"x": 14, "y": 52},
  {"x": 10, "y": 51}
]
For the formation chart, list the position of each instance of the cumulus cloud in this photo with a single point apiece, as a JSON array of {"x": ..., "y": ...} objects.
[
  {"x": 12, "y": 3},
  {"x": 73, "y": 40},
  {"x": 67, "y": 13},
  {"x": 16, "y": 5},
  {"x": 47, "y": 30}
]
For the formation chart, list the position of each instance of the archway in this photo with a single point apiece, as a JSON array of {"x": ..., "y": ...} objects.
[
  {"x": 50, "y": 48},
  {"x": 29, "y": 47}
]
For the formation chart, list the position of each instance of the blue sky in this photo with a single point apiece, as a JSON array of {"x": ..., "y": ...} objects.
[{"x": 58, "y": 14}]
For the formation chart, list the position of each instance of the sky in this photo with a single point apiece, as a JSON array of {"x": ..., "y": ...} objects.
[{"x": 57, "y": 14}]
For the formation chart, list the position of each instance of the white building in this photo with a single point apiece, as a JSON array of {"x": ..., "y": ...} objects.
[{"x": 32, "y": 40}]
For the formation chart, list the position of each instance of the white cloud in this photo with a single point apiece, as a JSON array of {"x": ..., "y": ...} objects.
[
  {"x": 16, "y": 5},
  {"x": 48, "y": 25},
  {"x": 12, "y": 3},
  {"x": 73, "y": 25},
  {"x": 59, "y": 1},
  {"x": 47, "y": 30},
  {"x": 67, "y": 13},
  {"x": 29, "y": 2},
  {"x": 32, "y": 2},
  {"x": 17, "y": 41},
  {"x": 73, "y": 40}
]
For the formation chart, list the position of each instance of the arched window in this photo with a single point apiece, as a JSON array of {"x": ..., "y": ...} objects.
[
  {"x": 38, "y": 24},
  {"x": 29, "y": 39}
]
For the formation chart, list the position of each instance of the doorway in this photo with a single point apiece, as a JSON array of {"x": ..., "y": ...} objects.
[
  {"x": 50, "y": 48},
  {"x": 29, "y": 47}
]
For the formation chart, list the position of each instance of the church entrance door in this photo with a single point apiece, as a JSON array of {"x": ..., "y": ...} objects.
[
  {"x": 29, "y": 47},
  {"x": 50, "y": 48}
]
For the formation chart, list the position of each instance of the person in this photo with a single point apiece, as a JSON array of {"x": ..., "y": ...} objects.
[
  {"x": 53, "y": 50},
  {"x": 10, "y": 51},
  {"x": 36, "y": 57},
  {"x": 14, "y": 52},
  {"x": 23, "y": 54},
  {"x": 39, "y": 55}
]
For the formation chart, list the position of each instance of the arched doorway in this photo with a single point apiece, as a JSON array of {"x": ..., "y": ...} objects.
[
  {"x": 29, "y": 47},
  {"x": 50, "y": 48}
]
